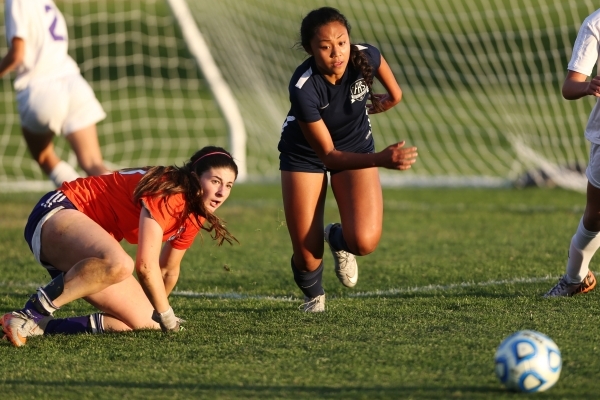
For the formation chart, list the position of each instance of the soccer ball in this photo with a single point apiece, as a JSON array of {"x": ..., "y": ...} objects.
[{"x": 528, "y": 361}]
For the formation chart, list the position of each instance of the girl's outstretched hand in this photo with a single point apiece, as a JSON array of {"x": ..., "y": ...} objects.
[{"x": 399, "y": 157}]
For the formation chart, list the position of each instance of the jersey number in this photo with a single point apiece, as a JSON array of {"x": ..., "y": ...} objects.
[{"x": 52, "y": 28}]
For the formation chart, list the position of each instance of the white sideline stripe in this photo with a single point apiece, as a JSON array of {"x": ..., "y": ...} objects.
[
  {"x": 376, "y": 293},
  {"x": 431, "y": 288}
]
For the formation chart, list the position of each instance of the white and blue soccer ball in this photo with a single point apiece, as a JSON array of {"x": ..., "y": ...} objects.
[{"x": 528, "y": 361}]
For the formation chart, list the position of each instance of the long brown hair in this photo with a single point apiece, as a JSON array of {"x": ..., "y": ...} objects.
[
  {"x": 314, "y": 20},
  {"x": 162, "y": 182}
]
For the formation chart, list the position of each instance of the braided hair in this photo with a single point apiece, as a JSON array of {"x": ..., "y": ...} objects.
[
  {"x": 319, "y": 17},
  {"x": 162, "y": 182}
]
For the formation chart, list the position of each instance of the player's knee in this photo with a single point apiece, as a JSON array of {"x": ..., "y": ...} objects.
[
  {"x": 591, "y": 221},
  {"x": 364, "y": 244},
  {"x": 119, "y": 268}
]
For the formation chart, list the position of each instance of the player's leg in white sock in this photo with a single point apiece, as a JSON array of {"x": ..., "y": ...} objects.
[
  {"x": 63, "y": 172},
  {"x": 583, "y": 247}
]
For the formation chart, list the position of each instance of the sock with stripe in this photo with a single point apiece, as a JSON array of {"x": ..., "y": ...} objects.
[
  {"x": 309, "y": 282},
  {"x": 93, "y": 323}
]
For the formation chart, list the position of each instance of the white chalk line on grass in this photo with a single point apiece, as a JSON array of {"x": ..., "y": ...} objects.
[
  {"x": 463, "y": 285},
  {"x": 376, "y": 293}
]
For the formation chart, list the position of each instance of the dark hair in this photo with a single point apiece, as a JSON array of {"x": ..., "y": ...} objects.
[
  {"x": 163, "y": 182},
  {"x": 319, "y": 17}
]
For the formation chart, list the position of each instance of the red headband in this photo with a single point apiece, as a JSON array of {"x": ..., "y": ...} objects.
[{"x": 211, "y": 154}]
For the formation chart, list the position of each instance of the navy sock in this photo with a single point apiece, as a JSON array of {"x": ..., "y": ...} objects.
[
  {"x": 309, "y": 282},
  {"x": 336, "y": 239}
]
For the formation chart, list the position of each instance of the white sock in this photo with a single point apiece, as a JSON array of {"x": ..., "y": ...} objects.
[
  {"x": 63, "y": 172},
  {"x": 583, "y": 246}
]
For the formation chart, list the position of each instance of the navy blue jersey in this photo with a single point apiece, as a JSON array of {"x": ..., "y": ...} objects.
[{"x": 341, "y": 107}]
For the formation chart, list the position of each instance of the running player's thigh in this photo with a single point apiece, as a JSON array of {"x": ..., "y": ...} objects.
[
  {"x": 360, "y": 202},
  {"x": 304, "y": 201},
  {"x": 125, "y": 302},
  {"x": 70, "y": 236},
  {"x": 38, "y": 142}
]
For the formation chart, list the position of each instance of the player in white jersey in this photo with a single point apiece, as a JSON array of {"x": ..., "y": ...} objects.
[
  {"x": 586, "y": 241},
  {"x": 52, "y": 96}
]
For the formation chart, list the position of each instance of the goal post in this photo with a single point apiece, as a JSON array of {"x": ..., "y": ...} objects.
[
  {"x": 481, "y": 82},
  {"x": 220, "y": 89}
]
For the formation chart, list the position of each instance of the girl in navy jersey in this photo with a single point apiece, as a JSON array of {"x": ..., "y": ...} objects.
[{"x": 328, "y": 130}]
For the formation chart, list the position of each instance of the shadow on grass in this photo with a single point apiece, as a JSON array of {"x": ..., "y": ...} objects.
[{"x": 283, "y": 391}]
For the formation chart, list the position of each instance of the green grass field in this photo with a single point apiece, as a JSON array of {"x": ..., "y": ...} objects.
[{"x": 456, "y": 271}]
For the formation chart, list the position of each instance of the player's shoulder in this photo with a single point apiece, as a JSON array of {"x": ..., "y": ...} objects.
[
  {"x": 373, "y": 54},
  {"x": 593, "y": 20},
  {"x": 302, "y": 76}
]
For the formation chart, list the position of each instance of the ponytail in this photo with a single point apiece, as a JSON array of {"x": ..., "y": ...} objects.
[{"x": 360, "y": 61}]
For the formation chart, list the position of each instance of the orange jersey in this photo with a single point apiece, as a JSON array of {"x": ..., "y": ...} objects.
[{"x": 108, "y": 200}]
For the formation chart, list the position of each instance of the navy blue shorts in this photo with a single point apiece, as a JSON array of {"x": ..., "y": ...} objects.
[
  {"x": 49, "y": 202},
  {"x": 304, "y": 163}
]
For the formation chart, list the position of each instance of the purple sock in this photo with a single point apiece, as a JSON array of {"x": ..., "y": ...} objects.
[
  {"x": 68, "y": 326},
  {"x": 93, "y": 323},
  {"x": 32, "y": 310}
]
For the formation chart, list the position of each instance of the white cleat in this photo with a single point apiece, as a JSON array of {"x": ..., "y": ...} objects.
[
  {"x": 316, "y": 304},
  {"x": 346, "y": 267},
  {"x": 19, "y": 325}
]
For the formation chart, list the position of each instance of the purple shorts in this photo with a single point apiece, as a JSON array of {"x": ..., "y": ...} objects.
[{"x": 49, "y": 204}]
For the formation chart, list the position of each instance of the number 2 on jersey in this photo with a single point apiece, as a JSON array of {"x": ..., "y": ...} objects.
[{"x": 52, "y": 28}]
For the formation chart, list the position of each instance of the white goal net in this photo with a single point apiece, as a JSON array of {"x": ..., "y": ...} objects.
[
  {"x": 481, "y": 82},
  {"x": 159, "y": 107}
]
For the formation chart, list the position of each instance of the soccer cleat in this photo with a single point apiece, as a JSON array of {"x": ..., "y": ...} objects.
[
  {"x": 565, "y": 289},
  {"x": 316, "y": 304},
  {"x": 346, "y": 267},
  {"x": 19, "y": 325}
]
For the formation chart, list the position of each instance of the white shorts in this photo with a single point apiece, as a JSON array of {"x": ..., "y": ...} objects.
[
  {"x": 593, "y": 169},
  {"x": 63, "y": 105}
]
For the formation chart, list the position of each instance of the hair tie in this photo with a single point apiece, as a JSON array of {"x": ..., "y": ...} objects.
[{"x": 211, "y": 154}]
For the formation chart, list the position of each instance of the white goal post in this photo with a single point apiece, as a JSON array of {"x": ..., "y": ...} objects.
[{"x": 220, "y": 89}]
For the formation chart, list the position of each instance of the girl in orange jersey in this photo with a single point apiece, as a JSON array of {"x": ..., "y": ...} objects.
[{"x": 74, "y": 232}]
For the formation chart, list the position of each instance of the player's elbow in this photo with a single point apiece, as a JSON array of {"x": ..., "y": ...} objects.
[
  {"x": 16, "y": 53},
  {"x": 566, "y": 93},
  {"x": 396, "y": 98}
]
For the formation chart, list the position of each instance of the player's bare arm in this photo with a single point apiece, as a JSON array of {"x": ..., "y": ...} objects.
[
  {"x": 576, "y": 86},
  {"x": 395, "y": 156},
  {"x": 14, "y": 57},
  {"x": 388, "y": 80},
  {"x": 147, "y": 261},
  {"x": 170, "y": 265}
]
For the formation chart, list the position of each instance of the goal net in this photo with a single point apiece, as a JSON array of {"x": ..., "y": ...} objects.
[
  {"x": 481, "y": 82},
  {"x": 159, "y": 107}
]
